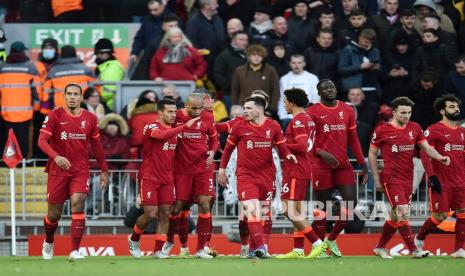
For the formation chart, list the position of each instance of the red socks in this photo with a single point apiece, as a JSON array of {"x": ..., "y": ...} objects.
[
  {"x": 299, "y": 240},
  {"x": 244, "y": 231},
  {"x": 137, "y": 232},
  {"x": 389, "y": 229},
  {"x": 459, "y": 231},
  {"x": 407, "y": 235},
  {"x": 173, "y": 228},
  {"x": 310, "y": 234},
  {"x": 337, "y": 228},
  {"x": 50, "y": 228},
  {"x": 78, "y": 223},
  {"x": 256, "y": 233},
  {"x": 429, "y": 225},
  {"x": 319, "y": 223},
  {"x": 159, "y": 241},
  {"x": 267, "y": 226},
  {"x": 203, "y": 229},
  {"x": 183, "y": 227}
]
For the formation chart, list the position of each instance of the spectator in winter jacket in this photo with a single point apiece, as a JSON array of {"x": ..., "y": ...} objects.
[
  {"x": 456, "y": 82},
  {"x": 108, "y": 69},
  {"x": 433, "y": 21},
  {"x": 359, "y": 65},
  {"x": 145, "y": 112},
  {"x": 357, "y": 22},
  {"x": 177, "y": 59},
  {"x": 433, "y": 55},
  {"x": 405, "y": 28},
  {"x": 261, "y": 26},
  {"x": 383, "y": 22},
  {"x": 279, "y": 32},
  {"x": 301, "y": 27},
  {"x": 321, "y": 59},
  {"x": 278, "y": 58},
  {"x": 428, "y": 7},
  {"x": 255, "y": 75},
  {"x": 227, "y": 61},
  {"x": 151, "y": 27},
  {"x": 397, "y": 69},
  {"x": 206, "y": 30},
  {"x": 93, "y": 103}
]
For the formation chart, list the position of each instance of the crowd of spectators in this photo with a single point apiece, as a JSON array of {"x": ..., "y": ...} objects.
[{"x": 373, "y": 50}]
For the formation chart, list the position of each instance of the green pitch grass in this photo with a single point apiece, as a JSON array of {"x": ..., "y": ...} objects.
[{"x": 347, "y": 266}]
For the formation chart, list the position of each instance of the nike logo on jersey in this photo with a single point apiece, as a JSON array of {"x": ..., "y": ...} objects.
[
  {"x": 248, "y": 133},
  {"x": 322, "y": 117},
  {"x": 64, "y": 123},
  {"x": 392, "y": 137},
  {"x": 447, "y": 135}
]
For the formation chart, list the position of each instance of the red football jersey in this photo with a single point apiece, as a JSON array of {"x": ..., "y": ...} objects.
[
  {"x": 193, "y": 143},
  {"x": 300, "y": 126},
  {"x": 254, "y": 150},
  {"x": 70, "y": 136},
  {"x": 448, "y": 142},
  {"x": 332, "y": 125},
  {"x": 397, "y": 147},
  {"x": 157, "y": 155}
]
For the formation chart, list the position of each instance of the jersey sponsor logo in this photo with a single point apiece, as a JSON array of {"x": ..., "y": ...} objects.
[
  {"x": 338, "y": 127},
  {"x": 168, "y": 146},
  {"x": 72, "y": 136},
  {"x": 452, "y": 147},
  {"x": 447, "y": 147},
  {"x": 401, "y": 148},
  {"x": 257, "y": 144},
  {"x": 249, "y": 144}
]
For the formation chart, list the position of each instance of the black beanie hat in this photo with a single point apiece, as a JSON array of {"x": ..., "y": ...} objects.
[
  {"x": 68, "y": 51},
  {"x": 104, "y": 45}
]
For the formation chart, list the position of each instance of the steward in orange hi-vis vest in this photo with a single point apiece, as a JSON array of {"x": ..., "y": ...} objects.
[
  {"x": 68, "y": 69},
  {"x": 19, "y": 86}
]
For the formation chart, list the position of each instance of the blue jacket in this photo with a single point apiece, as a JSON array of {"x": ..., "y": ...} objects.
[
  {"x": 348, "y": 66},
  {"x": 150, "y": 28}
]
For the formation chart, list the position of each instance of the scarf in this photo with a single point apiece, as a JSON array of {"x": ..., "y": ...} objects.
[
  {"x": 264, "y": 27},
  {"x": 176, "y": 53},
  {"x": 392, "y": 18}
]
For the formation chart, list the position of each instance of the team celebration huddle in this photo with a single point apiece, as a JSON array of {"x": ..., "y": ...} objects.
[{"x": 178, "y": 171}]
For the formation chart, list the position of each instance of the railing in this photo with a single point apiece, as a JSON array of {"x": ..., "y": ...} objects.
[{"x": 124, "y": 185}]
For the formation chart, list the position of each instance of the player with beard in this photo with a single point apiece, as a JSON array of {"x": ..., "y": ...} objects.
[
  {"x": 447, "y": 188},
  {"x": 396, "y": 140}
]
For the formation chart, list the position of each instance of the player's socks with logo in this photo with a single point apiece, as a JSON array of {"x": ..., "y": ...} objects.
[
  {"x": 137, "y": 232},
  {"x": 78, "y": 223},
  {"x": 407, "y": 235},
  {"x": 319, "y": 223},
  {"x": 427, "y": 227},
  {"x": 159, "y": 241},
  {"x": 50, "y": 228},
  {"x": 389, "y": 229},
  {"x": 256, "y": 233},
  {"x": 203, "y": 229},
  {"x": 183, "y": 228},
  {"x": 299, "y": 240},
  {"x": 244, "y": 231},
  {"x": 173, "y": 228},
  {"x": 460, "y": 231}
]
